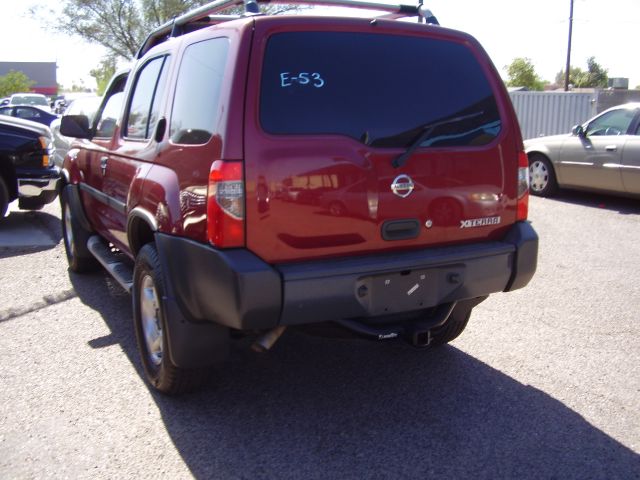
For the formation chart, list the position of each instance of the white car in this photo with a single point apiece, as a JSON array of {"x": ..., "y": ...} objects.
[
  {"x": 34, "y": 99},
  {"x": 601, "y": 155}
]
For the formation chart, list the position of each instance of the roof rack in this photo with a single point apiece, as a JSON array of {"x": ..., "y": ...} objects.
[{"x": 206, "y": 15}]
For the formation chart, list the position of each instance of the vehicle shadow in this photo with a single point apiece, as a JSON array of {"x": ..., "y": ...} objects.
[
  {"x": 327, "y": 408},
  {"x": 31, "y": 231},
  {"x": 622, "y": 205}
]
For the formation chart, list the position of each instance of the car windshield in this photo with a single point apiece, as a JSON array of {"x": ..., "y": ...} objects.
[
  {"x": 40, "y": 100},
  {"x": 386, "y": 91}
]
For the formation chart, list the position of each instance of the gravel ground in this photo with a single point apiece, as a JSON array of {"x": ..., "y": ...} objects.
[{"x": 544, "y": 383}]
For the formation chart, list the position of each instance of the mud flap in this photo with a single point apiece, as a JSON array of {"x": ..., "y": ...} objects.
[{"x": 191, "y": 344}]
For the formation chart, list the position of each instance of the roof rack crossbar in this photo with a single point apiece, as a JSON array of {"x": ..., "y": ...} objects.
[{"x": 176, "y": 26}]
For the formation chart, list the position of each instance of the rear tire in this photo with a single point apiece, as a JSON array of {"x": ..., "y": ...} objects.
[
  {"x": 150, "y": 325},
  {"x": 75, "y": 238},
  {"x": 542, "y": 176},
  {"x": 4, "y": 198},
  {"x": 451, "y": 330},
  {"x": 30, "y": 204}
]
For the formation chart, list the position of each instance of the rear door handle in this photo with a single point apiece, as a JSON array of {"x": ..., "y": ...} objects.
[
  {"x": 103, "y": 164},
  {"x": 611, "y": 148}
]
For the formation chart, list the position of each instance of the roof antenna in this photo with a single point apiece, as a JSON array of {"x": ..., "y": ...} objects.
[{"x": 251, "y": 6}]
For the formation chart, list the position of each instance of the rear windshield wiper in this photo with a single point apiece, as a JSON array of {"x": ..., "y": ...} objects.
[{"x": 427, "y": 130}]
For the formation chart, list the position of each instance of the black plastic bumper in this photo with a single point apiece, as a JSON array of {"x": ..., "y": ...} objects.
[{"x": 237, "y": 289}]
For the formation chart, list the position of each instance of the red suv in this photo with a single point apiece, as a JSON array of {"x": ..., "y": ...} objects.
[{"x": 255, "y": 172}]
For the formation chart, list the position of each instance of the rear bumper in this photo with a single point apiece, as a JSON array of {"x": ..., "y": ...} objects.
[{"x": 237, "y": 289}]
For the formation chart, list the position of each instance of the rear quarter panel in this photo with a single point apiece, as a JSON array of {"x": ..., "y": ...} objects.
[{"x": 174, "y": 190}]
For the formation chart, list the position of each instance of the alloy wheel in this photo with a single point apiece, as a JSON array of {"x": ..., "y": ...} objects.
[{"x": 151, "y": 320}]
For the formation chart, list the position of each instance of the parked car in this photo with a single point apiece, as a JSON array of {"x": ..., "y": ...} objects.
[
  {"x": 36, "y": 99},
  {"x": 26, "y": 172},
  {"x": 86, "y": 106},
  {"x": 202, "y": 196},
  {"x": 601, "y": 155},
  {"x": 35, "y": 114}
]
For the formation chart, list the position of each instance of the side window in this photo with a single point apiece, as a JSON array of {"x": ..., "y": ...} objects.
[
  {"x": 143, "y": 110},
  {"x": 616, "y": 122},
  {"x": 107, "y": 123},
  {"x": 195, "y": 106}
]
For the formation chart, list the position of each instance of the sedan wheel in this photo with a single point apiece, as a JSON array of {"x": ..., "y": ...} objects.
[{"x": 542, "y": 178}]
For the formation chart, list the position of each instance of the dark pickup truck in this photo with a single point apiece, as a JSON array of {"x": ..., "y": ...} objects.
[{"x": 26, "y": 172}]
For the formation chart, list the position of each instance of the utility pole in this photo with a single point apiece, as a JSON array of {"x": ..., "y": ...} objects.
[{"x": 568, "y": 67}]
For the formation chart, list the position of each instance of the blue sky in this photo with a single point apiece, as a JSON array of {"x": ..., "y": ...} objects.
[{"x": 507, "y": 29}]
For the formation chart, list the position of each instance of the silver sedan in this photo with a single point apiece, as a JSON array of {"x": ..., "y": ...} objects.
[{"x": 601, "y": 155}]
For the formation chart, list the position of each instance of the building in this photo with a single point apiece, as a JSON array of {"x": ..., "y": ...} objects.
[{"x": 43, "y": 73}]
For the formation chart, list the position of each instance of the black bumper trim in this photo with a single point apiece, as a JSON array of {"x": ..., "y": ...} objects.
[
  {"x": 237, "y": 289},
  {"x": 102, "y": 197},
  {"x": 231, "y": 287},
  {"x": 525, "y": 239}
]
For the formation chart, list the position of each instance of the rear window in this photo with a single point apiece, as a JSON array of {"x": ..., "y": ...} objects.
[{"x": 382, "y": 90}]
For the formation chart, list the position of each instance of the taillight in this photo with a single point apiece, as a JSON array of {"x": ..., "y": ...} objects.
[
  {"x": 225, "y": 205},
  {"x": 523, "y": 187},
  {"x": 45, "y": 143}
]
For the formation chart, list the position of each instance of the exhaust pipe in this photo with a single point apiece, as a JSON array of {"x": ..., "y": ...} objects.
[{"x": 267, "y": 340}]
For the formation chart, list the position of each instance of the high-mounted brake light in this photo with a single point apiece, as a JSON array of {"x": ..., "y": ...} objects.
[
  {"x": 523, "y": 187},
  {"x": 225, "y": 205}
]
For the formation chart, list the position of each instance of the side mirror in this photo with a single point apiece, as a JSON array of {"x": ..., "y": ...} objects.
[
  {"x": 76, "y": 126},
  {"x": 578, "y": 131}
]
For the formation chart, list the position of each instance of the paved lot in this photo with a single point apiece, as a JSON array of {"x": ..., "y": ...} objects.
[{"x": 544, "y": 383}]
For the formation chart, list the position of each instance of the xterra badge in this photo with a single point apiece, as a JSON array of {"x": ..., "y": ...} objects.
[
  {"x": 480, "y": 222},
  {"x": 402, "y": 186}
]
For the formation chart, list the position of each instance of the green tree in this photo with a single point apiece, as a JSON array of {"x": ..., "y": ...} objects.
[
  {"x": 575, "y": 73},
  {"x": 120, "y": 26},
  {"x": 14, "y": 82},
  {"x": 157, "y": 12},
  {"x": 104, "y": 72},
  {"x": 522, "y": 73},
  {"x": 594, "y": 77}
]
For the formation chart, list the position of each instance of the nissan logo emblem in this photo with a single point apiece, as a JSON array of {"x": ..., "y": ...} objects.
[{"x": 402, "y": 186}]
